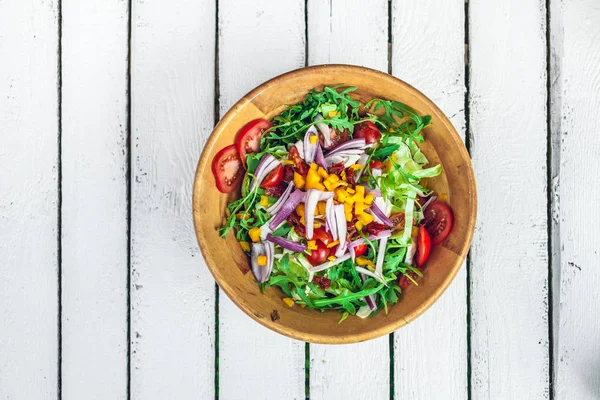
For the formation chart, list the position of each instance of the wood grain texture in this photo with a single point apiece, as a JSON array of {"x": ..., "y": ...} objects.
[
  {"x": 94, "y": 209},
  {"x": 576, "y": 123},
  {"x": 509, "y": 271},
  {"x": 257, "y": 40},
  {"x": 172, "y": 293},
  {"x": 335, "y": 374},
  {"x": 29, "y": 129},
  {"x": 428, "y": 52}
]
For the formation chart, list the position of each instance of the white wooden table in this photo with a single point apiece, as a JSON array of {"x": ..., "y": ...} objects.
[{"x": 105, "y": 106}]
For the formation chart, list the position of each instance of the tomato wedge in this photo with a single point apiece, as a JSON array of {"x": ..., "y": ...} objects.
[
  {"x": 248, "y": 138},
  {"x": 360, "y": 250},
  {"x": 404, "y": 281},
  {"x": 368, "y": 131},
  {"x": 273, "y": 178},
  {"x": 376, "y": 164},
  {"x": 300, "y": 166},
  {"x": 322, "y": 235},
  {"x": 227, "y": 169},
  {"x": 423, "y": 246},
  {"x": 319, "y": 255},
  {"x": 438, "y": 220}
]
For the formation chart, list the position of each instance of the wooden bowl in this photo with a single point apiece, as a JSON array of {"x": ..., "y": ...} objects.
[{"x": 228, "y": 263}]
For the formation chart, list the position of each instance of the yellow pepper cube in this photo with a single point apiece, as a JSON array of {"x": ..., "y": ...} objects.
[
  {"x": 331, "y": 258},
  {"x": 358, "y": 225},
  {"x": 288, "y": 301},
  {"x": 254, "y": 234},
  {"x": 340, "y": 195},
  {"x": 302, "y": 220},
  {"x": 369, "y": 198},
  {"x": 329, "y": 186},
  {"x": 414, "y": 232},
  {"x": 313, "y": 139},
  {"x": 347, "y": 208},
  {"x": 359, "y": 207},
  {"x": 332, "y": 114},
  {"x": 343, "y": 175},
  {"x": 330, "y": 245},
  {"x": 360, "y": 191},
  {"x": 311, "y": 245},
  {"x": 322, "y": 173},
  {"x": 264, "y": 201},
  {"x": 314, "y": 166},
  {"x": 317, "y": 224},
  {"x": 262, "y": 260},
  {"x": 348, "y": 217},
  {"x": 321, "y": 208},
  {"x": 365, "y": 218},
  {"x": 350, "y": 190},
  {"x": 245, "y": 246},
  {"x": 300, "y": 209},
  {"x": 299, "y": 180}
]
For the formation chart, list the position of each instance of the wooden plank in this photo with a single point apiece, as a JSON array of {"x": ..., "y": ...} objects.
[
  {"x": 338, "y": 372},
  {"x": 257, "y": 41},
  {"x": 509, "y": 270},
  {"x": 428, "y": 52},
  {"x": 29, "y": 171},
  {"x": 94, "y": 208},
  {"x": 575, "y": 102},
  {"x": 172, "y": 292}
]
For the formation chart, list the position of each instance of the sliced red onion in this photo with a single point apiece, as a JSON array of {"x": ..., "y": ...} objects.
[
  {"x": 381, "y": 215},
  {"x": 380, "y": 255},
  {"x": 410, "y": 253},
  {"x": 310, "y": 148},
  {"x": 330, "y": 218},
  {"x": 277, "y": 206},
  {"x": 267, "y": 164},
  {"x": 329, "y": 264},
  {"x": 262, "y": 273},
  {"x": 352, "y": 253},
  {"x": 313, "y": 196},
  {"x": 341, "y": 250},
  {"x": 325, "y": 130},
  {"x": 286, "y": 243},
  {"x": 287, "y": 208},
  {"x": 429, "y": 201},
  {"x": 342, "y": 228},
  {"x": 374, "y": 192},
  {"x": 347, "y": 158},
  {"x": 300, "y": 147},
  {"x": 355, "y": 243},
  {"x": 319, "y": 158},
  {"x": 352, "y": 144},
  {"x": 370, "y": 299},
  {"x": 371, "y": 274}
]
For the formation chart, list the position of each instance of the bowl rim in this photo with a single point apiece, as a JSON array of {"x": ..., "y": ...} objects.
[{"x": 393, "y": 325}]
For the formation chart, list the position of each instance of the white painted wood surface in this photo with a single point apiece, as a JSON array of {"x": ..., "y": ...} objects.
[
  {"x": 172, "y": 292},
  {"x": 576, "y": 124},
  {"x": 29, "y": 126},
  {"x": 428, "y": 42},
  {"x": 257, "y": 41},
  {"x": 94, "y": 211},
  {"x": 172, "y": 316},
  {"x": 338, "y": 372},
  {"x": 509, "y": 256}
]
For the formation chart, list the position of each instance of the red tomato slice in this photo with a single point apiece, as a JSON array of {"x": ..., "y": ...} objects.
[
  {"x": 423, "y": 246},
  {"x": 368, "y": 131},
  {"x": 248, "y": 138},
  {"x": 273, "y": 178},
  {"x": 438, "y": 220},
  {"x": 227, "y": 169},
  {"x": 319, "y": 255},
  {"x": 360, "y": 250},
  {"x": 376, "y": 164},
  {"x": 322, "y": 235},
  {"x": 300, "y": 166}
]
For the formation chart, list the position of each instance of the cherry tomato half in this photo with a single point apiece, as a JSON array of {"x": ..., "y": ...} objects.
[
  {"x": 248, "y": 138},
  {"x": 360, "y": 250},
  {"x": 227, "y": 169},
  {"x": 273, "y": 178},
  {"x": 322, "y": 235},
  {"x": 438, "y": 220},
  {"x": 319, "y": 255},
  {"x": 368, "y": 131},
  {"x": 423, "y": 246},
  {"x": 404, "y": 281},
  {"x": 300, "y": 166}
]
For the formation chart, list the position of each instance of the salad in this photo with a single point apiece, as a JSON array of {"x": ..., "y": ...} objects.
[{"x": 334, "y": 208}]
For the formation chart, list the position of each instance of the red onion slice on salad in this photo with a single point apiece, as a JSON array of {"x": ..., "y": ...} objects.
[
  {"x": 325, "y": 131},
  {"x": 375, "y": 275},
  {"x": 330, "y": 218},
  {"x": 329, "y": 264},
  {"x": 267, "y": 164},
  {"x": 300, "y": 147},
  {"x": 279, "y": 203},
  {"x": 381, "y": 215},
  {"x": 347, "y": 158},
  {"x": 286, "y": 243},
  {"x": 340, "y": 222},
  {"x": 313, "y": 196},
  {"x": 262, "y": 273},
  {"x": 370, "y": 299},
  {"x": 353, "y": 144},
  {"x": 380, "y": 255},
  {"x": 319, "y": 158},
  {"x": 429, "y": 201},
  {"x": 310, "y": 148},
  {"x": 287, "y": 208}
]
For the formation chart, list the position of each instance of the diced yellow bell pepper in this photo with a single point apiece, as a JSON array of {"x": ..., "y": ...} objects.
[
  {"x": 254, "y": 234},
  {"x": 355, "y": 167},
  {"x": 332, "y": 114},
  {"x": 360, "y": 191},
  {"x": 365, "y": 262},
  {"x": 311, "y": 245},
  {"x": 300, "y": 209},
  {"x": 313, "y": 180},
  {"x": 314, "y": 166},
  {"x": 359, "y": 207},
  {"x": 288, "y": 301},
  {"x": 340, "y": 195},
  {"x": 264, "y": 201},
  {"x": 369, "y": 199},
  {"x": 313, "y": 139},
  {"x": 239, "y": 216},
  {"x": 358, "y": 225},
  {"x": 317, "y": 224},
  {"x": 414, "y": 232},
  {"x": 322, "y": 173},
  {"x": 350, "y": 190},
  {"x": 245, "y": 246},
  {"x": 262, "y": 260},
  {"x": 299, "y": 180},
  {"x": 321, "y": 208},
  {"x": 343, "y": 175},
  {"x": 329, "y": 186},
  {"x": 365, "y": 218},
  {"x": 288, "y": 162},
  {"x": 302, "y": 220},
  {"x": 330, "y": 245},
  {"x": 348, "y": 217},
  {"x": 331, "y": 258}
]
